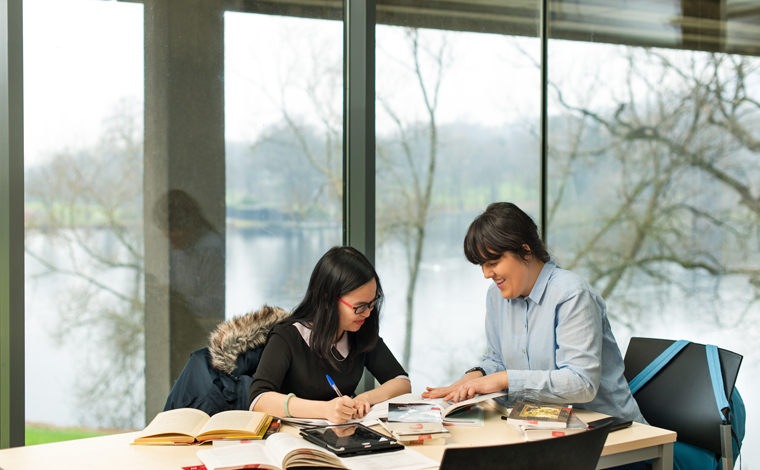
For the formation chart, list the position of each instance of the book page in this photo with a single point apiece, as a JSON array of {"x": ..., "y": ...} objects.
[
  {"x": 235, "y": 420},
  {"x": 282, "y": 444},
  {"x": 405, "y": 398},
  {"x": 380, "y": 410},
  {"x": 449, "y": 406},
  {"x": 238, "y": 456},
  {"x": 187, "y": 421},
  {"x": 473, "y": 416}
]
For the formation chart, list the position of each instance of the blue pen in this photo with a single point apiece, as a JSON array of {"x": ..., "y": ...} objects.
[{"x": 332, "y": 384}]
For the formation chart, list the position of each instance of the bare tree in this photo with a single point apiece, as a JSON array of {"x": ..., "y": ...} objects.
[
  {"x": 406, "y": 209},
  {"x": 311, "y": 132},
  {"x": 407, "y": 162},
  {"x": 88, "y": 209},
  {"x": 675, "y": 164}
]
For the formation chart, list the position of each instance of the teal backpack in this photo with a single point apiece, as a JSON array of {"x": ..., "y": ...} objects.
[{"x": 732, "y": 413}]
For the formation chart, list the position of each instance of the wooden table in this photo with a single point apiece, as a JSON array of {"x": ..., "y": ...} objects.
[{"x": 632, "y": 444}]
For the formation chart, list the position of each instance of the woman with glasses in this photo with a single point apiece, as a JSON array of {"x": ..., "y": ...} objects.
[
  {"x": 547, "y": 330},
  {"x": 314, "y": 359}
]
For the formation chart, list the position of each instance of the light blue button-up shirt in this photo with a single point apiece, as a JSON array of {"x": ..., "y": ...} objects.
[{"x": 557, "y": 346}]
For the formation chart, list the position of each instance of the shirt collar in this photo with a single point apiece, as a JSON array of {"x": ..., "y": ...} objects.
[
  {"x": 342, "y": 344},
  {"x": 541, "y": 281}
]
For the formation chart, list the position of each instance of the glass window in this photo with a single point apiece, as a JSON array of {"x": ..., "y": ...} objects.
[
  {"x": 284, "y": 141},
  {"x": 83, "y": 138},
  {"x": 172, "y": 184},
  {"x": 458, "y": 102},
  {"x": 141, "y": 238},
  {"x": 654, "y": 169}
]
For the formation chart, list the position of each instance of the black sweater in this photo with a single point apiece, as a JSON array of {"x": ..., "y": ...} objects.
[{"x": 288, "y": 365}]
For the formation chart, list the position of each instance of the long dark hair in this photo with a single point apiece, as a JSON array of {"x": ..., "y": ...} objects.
[
  {"x": 341, "y": 270},
  {"x": 503, "y": 227}
]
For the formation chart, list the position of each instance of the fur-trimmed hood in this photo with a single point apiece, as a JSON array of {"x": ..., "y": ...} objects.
[{"x": 236, "y": 336}]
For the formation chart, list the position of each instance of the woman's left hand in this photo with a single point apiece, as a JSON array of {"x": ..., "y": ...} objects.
[
  {"x": 489, "y": 384},
  {"x": 362, "y": 405}
]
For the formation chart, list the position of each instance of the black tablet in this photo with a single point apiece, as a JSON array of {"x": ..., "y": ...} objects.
[{"x": 352, "y": 439}]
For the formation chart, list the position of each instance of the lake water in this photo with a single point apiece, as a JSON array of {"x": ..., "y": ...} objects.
[{"x": 274, "y": 267}]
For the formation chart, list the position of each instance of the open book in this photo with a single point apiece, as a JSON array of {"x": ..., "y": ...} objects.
[
  {"x": 378, "y": 410},
  {"x": 185, "y": 426},
  {"x": 449, "y": 409},
  {"x": 282, "y": 451}
]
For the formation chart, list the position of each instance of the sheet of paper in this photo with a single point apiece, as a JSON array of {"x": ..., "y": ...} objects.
[
  {"x": 406, "y": 459},
  {"x": 379, "y": 410}
]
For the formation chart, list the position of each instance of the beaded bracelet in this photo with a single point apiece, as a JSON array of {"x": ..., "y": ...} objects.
[{"x": 287, "y": 413}]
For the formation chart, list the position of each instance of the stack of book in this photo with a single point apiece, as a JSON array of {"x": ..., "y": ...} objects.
[
  {"x": 536, "y": 421},
  {"x": 539, "y": 432},
  {"x": 407, "y": 437},
  {"x": 418, "y": 418},
  {"x": 548, "y": 415}
]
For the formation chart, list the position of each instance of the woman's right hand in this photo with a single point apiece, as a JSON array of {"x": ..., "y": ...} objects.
[
  {"x": 339, "y": 409},
  {"x": 438, "y": 392}
]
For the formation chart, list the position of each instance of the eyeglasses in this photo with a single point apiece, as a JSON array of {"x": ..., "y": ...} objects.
[{"x": 362, "y": 308}]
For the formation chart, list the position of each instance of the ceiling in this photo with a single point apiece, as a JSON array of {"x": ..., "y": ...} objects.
[{"x": 731, "y": 26}]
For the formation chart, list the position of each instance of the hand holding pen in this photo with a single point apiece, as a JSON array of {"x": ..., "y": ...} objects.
[
  {"x": 358, "y": 407},
  {"x": 341, "y": 409}
]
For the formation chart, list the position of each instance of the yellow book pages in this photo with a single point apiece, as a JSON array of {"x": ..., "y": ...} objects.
[
  {"x": 179, "y": 425},
  {"x": 234, "y": 423},
  {"x": 222, "y": 435}
]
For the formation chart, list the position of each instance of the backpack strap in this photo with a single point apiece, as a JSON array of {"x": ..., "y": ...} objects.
[
  {"x": 658, "y": 363},
  {"x": 713, "y": 362}
]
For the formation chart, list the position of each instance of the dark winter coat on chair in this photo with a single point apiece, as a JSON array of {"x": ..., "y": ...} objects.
[{"x": 217, "y": 378}]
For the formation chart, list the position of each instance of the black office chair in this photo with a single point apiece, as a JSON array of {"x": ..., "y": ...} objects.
[
  {"x": 680, "y": 397},
  {"x": 574, "y": 452}
]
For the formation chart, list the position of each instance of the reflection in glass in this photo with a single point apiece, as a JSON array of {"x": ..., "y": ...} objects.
[{"x": 196, "y": 276}]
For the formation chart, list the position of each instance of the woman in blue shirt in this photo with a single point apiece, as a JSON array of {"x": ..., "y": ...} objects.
[{"x": 547, "y": 330}]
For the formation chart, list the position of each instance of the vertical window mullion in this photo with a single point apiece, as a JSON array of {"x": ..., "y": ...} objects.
[
  {"x": 359, "y": 126},
  {"x": 544, "y": 167},
  {"x": 12, "y": 379}
]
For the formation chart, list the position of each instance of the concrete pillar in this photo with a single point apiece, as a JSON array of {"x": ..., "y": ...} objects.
[{"x": 184, "y": 186}]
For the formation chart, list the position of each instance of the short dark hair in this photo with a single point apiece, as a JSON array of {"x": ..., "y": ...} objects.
[
  {"x": 501, "y": 228},
  {"x": 341, "y": 270}
]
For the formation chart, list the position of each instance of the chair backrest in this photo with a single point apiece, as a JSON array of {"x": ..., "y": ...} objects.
[
  {"x": 574, "y": 452},
  {"x": 680, "y": 397}
]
